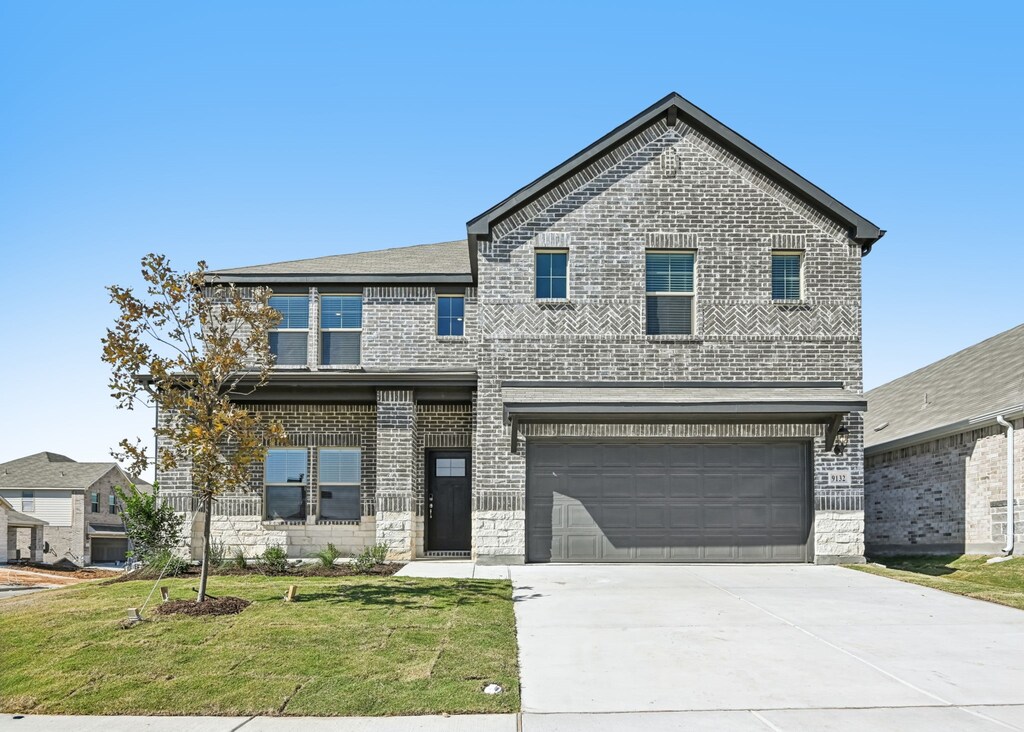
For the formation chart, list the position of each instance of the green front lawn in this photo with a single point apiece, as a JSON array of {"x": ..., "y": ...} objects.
[
  {"x": 964, "y": 575},
  {"x": 347, "y": 646}
]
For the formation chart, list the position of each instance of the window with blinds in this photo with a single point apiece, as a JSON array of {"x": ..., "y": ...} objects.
[
  {"x": 339, "y": 474},
  {"x": 341, "y": 329},
  {"x": 786, "y": 275},
  {"x": 289, "y": 338},
  {"x": 670, "y": 293},
  {"x": 284, "y": 479},
  {"x": 552, "y": 281}
]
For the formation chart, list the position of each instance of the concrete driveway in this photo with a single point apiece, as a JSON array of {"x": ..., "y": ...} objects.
[{"x": 761, "y": 647}]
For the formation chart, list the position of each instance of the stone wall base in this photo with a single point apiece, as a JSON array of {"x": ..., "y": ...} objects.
[
  {"x": 838, "y": 534},
  {"x": 499, "y": 534},
  {"x": 838, "y": 559},
  {"x": 253, "y": 536}
]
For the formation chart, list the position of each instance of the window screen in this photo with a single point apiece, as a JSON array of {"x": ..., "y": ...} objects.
[
  {"x": 341, "y": 323},
  {"x": 285, "y": 481},
  {"x": 669, "y": 285},
  {"x": 339, "y": 476},
  {"x": 552, "y": 275},
  {"x": 450, "y": 315},
  {"x": 288, "y": 339},
  {"x": 786, "y": 276}
]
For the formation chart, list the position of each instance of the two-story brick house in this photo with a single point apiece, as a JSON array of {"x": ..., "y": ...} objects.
[{"x": 650, "y": 353}]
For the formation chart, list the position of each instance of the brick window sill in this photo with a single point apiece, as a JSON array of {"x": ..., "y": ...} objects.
[
  {"x": 451, "y": 339},
  {"x": 291, "y": 367},
  {"x": 792, "y": 304},
  {"x": 674, "y": 338},
  {"x": 282, "y": 522},
  {"x": 338, "y": 522},
  {"x": 340, "y": 367},
  {"x": 553, "y": 302}
]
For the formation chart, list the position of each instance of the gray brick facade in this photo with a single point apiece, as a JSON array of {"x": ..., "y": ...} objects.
[
  {"x": 668, "y": 186},
  {"x": 946, "y": 495}
]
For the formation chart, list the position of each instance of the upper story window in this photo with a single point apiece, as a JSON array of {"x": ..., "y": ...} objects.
[
  {"x": 339, "y": 475},
  {"x": 284, "y": 478},
  {"x": 94, "y": 503},
  {"x": 787, "y": 276},
  {"x": 288, "y": 340},
  {"x": 28, "y": 501},
  {"x": 341, "y": 328},
  {"x": 552, "y": 274},
  {"x": 670, "y": 293},
  {"x": 112, "y": 502},
  {"x": 451, "y": 311}
]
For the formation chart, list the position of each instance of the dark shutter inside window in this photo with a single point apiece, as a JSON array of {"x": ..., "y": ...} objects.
[
  {"x": 669, "y": 315},
  {"x": 285, "y": 502},
  {"x": 340, "y": 347},
  {"x": 289, "y": 347},
  {"x": 339, "y": 503}
]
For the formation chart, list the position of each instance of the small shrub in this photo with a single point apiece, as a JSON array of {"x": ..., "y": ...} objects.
[
  {"x": 218, "y": 552},
  {"x": 165, "y": 561},
  {"x": 238, "y": 560},
  {"x": 328, "y": 555},
  {"x": 275, "y": 560},
  {"x": 371, "y": 557}
]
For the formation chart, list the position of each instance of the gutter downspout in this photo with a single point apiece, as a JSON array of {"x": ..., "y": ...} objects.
[{"x": 1010, "y": 529}]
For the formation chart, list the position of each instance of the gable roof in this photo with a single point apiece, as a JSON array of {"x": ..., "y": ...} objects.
[
  {"x": 675, "y": 107},
  {"x": 50, "y": 470},
  {"x": 446, "y": 261},
  {"x": 964, "y": 390}
]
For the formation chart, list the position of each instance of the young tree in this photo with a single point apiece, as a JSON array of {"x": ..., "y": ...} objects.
[{"x": 190, "y": 348}]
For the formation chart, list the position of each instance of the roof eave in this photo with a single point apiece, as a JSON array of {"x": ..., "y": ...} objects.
[
  {"x": 244, "y": 278},
  {"x": 984, "y": 420}
]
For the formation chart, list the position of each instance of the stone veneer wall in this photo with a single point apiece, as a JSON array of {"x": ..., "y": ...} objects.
[
  {"x": 946, "y": 495},
  {"x": 667, "y": 188}
]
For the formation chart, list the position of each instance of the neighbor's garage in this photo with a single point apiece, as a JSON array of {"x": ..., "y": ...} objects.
[
  {"x": 108, "y": 550},
  {"x": 668, "y": 502}
]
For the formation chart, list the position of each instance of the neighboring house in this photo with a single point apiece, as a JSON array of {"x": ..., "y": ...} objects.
[
  {"x": 936, "y": 455},
  {"x": 75, "y": 500},
  {"x": 650, "y": 353},
  {"x": 12, "y": 525}
]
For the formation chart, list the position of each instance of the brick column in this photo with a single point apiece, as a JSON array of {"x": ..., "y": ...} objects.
[
  {"x": 396, "y": 471},
  {"x": 4, "y": 536},
  {"x": 35, "y": 543}
]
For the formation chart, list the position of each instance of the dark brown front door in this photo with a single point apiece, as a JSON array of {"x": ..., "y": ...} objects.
[{"x": 448, "y": 501}]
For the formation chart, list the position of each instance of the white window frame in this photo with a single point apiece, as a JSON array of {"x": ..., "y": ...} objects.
[
  {"x": 112, "y": 504},
  {"x": 791, "y": 253},
  {"x": 568, "y": 273},
  {"x": 294, "y": 330},
  {"x": 321, "y": 485},
  {"x": 359, "y": 330},
  {"x": 692, "y": 294},
  {"x": 303, "y": 487},
  {"x": 94, "y": 502},
  {"x": 28, "y": 500}
]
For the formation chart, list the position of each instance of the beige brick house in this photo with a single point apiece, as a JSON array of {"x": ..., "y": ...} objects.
[{"x": 650, "y": 353}]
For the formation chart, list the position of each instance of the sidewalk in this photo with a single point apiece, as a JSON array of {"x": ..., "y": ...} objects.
[{"x": 891, "y": 719}]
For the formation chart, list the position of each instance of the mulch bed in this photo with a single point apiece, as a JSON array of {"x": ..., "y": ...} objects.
[
  {"x": 209, "y": 606},
  {"x": 308, "y": 569}
]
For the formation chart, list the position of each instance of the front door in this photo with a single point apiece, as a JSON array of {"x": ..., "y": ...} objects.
[{"x": 448, "y": 501}]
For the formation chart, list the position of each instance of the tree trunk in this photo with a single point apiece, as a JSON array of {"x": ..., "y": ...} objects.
[{"x": 204, "y": 571}]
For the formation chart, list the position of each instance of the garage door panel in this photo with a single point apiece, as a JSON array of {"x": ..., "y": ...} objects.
[
  {"x": 684, "y": 485},
  {"x": 718, "y": 456},
  {"x": 668, "y": 502},
  {"x": 617, "y": 485},
  {"x": 652, "y": 485},
  {"x": 651, "y": 517},
  {"x": 581, "y": 485}
]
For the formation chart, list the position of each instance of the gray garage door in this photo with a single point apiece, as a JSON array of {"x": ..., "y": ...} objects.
[
  {"x": 667, "y": 502},
  {"x": 109, "y": 550}
]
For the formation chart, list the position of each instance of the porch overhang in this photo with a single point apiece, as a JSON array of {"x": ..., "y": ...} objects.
[{"x": 653, "y": 402}]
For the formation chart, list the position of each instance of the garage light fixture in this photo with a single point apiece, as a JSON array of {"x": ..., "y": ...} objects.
[{"x": 842, "y": 440}]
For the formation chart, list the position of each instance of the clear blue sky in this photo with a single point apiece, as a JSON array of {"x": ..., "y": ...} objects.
[{"x": 251, "y": 132}]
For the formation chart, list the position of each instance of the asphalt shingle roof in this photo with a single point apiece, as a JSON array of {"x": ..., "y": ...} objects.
[
  {"x": 50, "y": 470},
  {"x": 978, "y": 381},
  {"x": 443, "y": 258}
]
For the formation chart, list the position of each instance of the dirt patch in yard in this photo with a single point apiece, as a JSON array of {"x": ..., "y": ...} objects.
[
  {"x": 67, "y": 569},
  {"x": 210, "y": 606}
]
